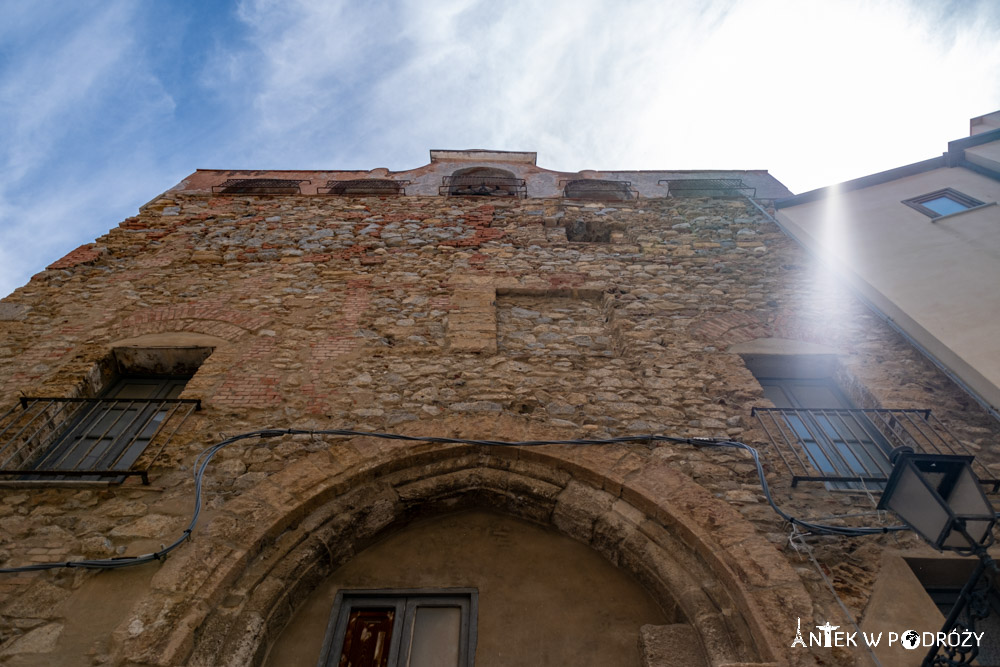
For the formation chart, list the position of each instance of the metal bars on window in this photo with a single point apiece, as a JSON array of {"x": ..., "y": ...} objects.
[
  {"x": 472, "y": 185},
  {"x": 98, "y": 439},
  {"x": 599, "y": 189},
  {"x": 259, "y": 186},
  {"x": 364, "y": 186},
  {"x": 708, "y": 187},
  {"x": 843, "y": 446}
]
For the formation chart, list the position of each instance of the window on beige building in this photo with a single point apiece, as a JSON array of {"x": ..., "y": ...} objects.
[{"x": 942, "y": 202}]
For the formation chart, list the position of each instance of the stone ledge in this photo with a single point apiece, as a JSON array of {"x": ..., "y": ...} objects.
[{"x": 670, "y": 645}]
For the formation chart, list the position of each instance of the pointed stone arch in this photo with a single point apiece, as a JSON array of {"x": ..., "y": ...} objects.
[{"x": 222, "y": 599}]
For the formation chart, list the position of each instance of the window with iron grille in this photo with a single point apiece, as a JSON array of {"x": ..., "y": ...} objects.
[
  {"x": 364, "y": 186},
  {"x": 821, "y": 437},
  {"x": 108, "y": 438},
  {"x": 839, "y": 440},
  {"x": 943, "y": 579},
  {"x": 259, "y": 186},
  {"x": 90, "y": 439},
  {"x": 708, "y": 187},
  {"x": 483, "y": 182},
  {"x": 397, "y": 628},
  {"x": 594, "y": 188}
]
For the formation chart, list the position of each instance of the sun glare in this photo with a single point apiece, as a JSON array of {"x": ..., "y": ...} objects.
[{"x": 833, "y": 247}]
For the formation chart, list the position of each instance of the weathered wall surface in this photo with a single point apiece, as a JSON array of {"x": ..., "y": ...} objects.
[{"x": 485, "y": 318}]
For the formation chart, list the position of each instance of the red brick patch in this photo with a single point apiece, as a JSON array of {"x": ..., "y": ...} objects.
[
  {"x": 557, "y": 280},
  {"x": 316, "y": 258},
  {"x": 250, "y": 390},
  {"x": 82, "y": 255},
  {"x": 344, "y": 341}
]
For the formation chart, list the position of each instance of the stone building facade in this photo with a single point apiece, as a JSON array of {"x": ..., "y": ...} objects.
[{"x": 486, "y": 299}]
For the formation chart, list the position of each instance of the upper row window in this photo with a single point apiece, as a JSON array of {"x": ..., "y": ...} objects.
[
  {"x": 942, "y": 202},
  {"x": 483, "y": 182}
]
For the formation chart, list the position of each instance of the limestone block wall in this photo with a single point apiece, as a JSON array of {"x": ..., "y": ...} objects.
[{"x": 502, "y": 319}]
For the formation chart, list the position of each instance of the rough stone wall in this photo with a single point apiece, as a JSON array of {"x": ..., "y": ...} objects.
[{"x": 385, "y": 313}]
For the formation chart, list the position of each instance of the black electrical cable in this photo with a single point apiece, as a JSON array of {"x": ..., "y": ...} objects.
[
  {"x": 205, "y": 457},
  {"x": 817, "y": 528}
]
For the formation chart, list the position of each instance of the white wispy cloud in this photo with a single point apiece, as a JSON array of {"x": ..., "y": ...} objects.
[
  {"x": 815, "y": 92},
  {"x": 808, "y": 90},
  {"x": 77, "y": 102},
  {"x": 50, "y": 84}
]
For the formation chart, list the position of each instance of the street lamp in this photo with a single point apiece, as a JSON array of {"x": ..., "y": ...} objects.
[{"x": 939, "y": 497}]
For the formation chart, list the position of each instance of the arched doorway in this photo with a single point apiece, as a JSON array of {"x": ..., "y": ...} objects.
[
  {"x": 543, "y": 598},
  {"x": 233, "y": 592}
]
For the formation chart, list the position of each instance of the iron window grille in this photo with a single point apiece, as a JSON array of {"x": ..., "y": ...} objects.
[
  {"x": 93, "y": 439},
  {"x": 942, "y": 202},
  {"x": 364, "y": 186},
  {"x": 599, "y": 189},
  {"x": 472, "y": 185},
  {"x": 393, "y": 628},
  {"x": 259, "y": 186},
  {"x": 708, "y": 187},
  {"x": 851, "y": 447}
]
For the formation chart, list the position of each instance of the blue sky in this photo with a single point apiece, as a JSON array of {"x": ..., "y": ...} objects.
[{"x": 103, "y": 105}]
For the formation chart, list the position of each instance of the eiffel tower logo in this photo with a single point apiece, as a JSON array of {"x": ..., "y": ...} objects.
[{"x": 798, "y": 636}]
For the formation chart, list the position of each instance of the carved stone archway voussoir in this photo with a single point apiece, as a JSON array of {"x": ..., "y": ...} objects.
[{"x": 222, "y": 599}]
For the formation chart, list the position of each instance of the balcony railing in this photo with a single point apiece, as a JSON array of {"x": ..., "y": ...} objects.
[
  {"x": 708, "y": 187},
  {"x": 599, "y": 189},
  {"x": 259, "y": 186},
  {"x": 88, "y": 438},
  {"x": 471, "y": 185},
  {"x": 850, "y": 448},
  {"x": 364, "y": 186}
]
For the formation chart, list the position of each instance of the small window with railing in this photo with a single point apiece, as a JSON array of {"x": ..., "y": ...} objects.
[
  {"x": 822, "y": 437},
  {"x": 599, "y": 189},
  {"x": 259, "y": 186},
  {"x": 708, "y": 187},
  {"x": 110, "y": 437},
  {"x": 837, "y": 439},
  {"x": 820, "y": 434},
  {"x": 483, "y": 182},
  {"x": 381, "y": 187}
]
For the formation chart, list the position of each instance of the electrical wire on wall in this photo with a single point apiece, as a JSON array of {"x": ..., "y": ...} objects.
[
  {"x": 205, "y": 457},
  {"x": 796, "y": 539}
]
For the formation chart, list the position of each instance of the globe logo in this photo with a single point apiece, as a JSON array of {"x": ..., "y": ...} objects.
[{"x": 910, "y": 639}]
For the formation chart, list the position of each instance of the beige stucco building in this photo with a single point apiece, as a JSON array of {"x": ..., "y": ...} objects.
[{"x": 922, "y": 244}]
